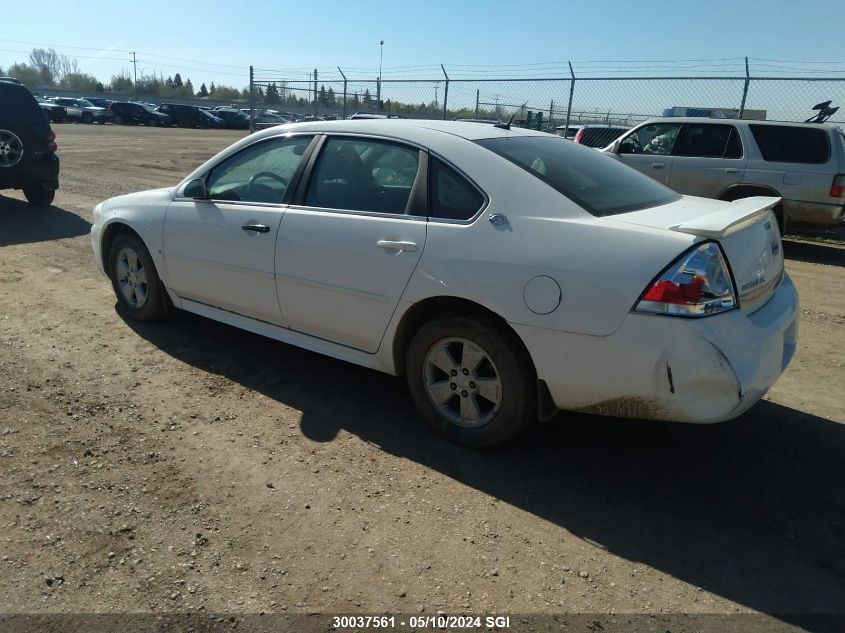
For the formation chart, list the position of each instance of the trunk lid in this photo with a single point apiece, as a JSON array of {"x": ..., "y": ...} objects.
[{"x": 746, "y": 229}]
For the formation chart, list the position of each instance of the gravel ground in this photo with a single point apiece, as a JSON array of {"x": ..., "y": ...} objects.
[{"x": 188, "y": 466}]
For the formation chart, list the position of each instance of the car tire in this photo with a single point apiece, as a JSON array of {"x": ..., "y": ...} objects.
[
  {"x": 784, "y": 223},
  {"x": 38, "y": 196},
  {"x": 483, "y": 398},
  {"x": 87, "y": 118},
  {"x": 135, "y": 280},
  {"x": 117, "y": 120}
]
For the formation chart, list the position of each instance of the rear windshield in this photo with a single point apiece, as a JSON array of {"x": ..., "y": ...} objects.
[
  {"x": 596, "y": 182},
  {"x": 599, "y": 136},
  {"x": 789, "y": 144},
  {"x": 17, "y": 105}
]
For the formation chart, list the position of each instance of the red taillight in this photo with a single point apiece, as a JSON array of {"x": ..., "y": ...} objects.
[
  {"x": 578, "y": 136},
  {"x": 51, "y": 146},
  {"x": 837, "y": 189},
  {"x": 665, "y": 291},
  {"x": 51, "y": 135}
]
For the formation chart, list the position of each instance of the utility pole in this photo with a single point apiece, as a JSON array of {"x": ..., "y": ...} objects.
[
  {"x": 135, "y": 67},
  {"x": 315, "y": 92}
]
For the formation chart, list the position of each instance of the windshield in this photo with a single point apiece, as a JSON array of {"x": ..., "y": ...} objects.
[{"x": 596, "y": 182}]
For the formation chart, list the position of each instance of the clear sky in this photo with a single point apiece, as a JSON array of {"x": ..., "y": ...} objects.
[{"x": 216, "y": 40}]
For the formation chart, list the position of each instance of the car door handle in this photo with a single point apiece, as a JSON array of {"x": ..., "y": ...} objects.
[
  {"x": 657, "y": 165},
  {"x": 258, "y": 228},
  {"x": 395, "y": 245},
  {"x": 731, "y": 170}
]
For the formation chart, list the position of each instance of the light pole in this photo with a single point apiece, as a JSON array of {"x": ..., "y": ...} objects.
[{"x": 380, "y": 59}]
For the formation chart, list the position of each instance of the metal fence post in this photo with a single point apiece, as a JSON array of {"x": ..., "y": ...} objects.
[
  {"x": 445, "y": 92},
  {"x": 251, "y": 100},
  {"x": 344, "y": 90},
  {"x": 569, "y": 106},
  {"x": 744, "y": 89},
  {"x": 477, "y": 97},
  {"x": 551, "y": 114},
  {"x": 315, "y": 92}
]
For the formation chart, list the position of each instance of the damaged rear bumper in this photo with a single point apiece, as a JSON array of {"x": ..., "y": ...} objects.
[{"x": 667, "y": 368}]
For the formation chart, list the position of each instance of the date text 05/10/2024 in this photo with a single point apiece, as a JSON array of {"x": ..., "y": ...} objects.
[{"x": 421, "y": 622}]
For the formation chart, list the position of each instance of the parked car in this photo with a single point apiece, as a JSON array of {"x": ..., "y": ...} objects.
[
  {"x": 55, "y": 113},
  {"x": 803, "y": 164},
  {"x": 11, "y": 80},
  {"x": 208, "y": 119},
  {"x": 28, "y": 157},
  {"x": 597, "y": 135},
  {"x": 88, "y": 112},
  {"x": 232, "y": 118},
  {"x": 125, "y": 112},
  {"x": 188, "y": 116},
  {"x": 505, "y": 273},
  {"x": 99, "y": 101}
]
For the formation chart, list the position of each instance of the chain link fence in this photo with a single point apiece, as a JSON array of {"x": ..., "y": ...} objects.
[{"x": 550, "y": 104}]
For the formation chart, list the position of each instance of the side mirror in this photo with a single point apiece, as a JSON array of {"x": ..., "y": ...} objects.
[
  {"x": 196, "y": 189},
  {"x": 615, "y": 145}
]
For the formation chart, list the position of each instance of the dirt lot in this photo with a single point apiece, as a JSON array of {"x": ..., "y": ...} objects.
[{"x": 191, "y": 466}]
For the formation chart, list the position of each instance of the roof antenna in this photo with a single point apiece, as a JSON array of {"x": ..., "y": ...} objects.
[{"x": 505, "y": 126}]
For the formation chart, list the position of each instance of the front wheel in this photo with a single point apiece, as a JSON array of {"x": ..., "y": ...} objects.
[
  {"x": 87, "y": 118},
  {"x": 39, "y": 196},
  {"x": 472, "y": 380},
  {"x": 135, "y": 280}
]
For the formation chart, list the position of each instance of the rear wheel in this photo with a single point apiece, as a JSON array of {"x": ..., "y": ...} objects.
[
  {"x": 87, "y": 117},
  {"x": 39, "y": 196},
  {"x": 117, "y": 120},
  {"x": 135, "y": 280},
  {"x": 472, "y": 380},
  {"x": 11, "y": 149}
]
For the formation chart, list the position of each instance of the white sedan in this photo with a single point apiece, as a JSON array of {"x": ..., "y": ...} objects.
[{"x": 505, "y": 272}]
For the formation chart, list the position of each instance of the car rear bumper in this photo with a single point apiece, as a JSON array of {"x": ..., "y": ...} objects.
[
  {"x": 43, "y": 171},
  {"x": 814, "y": 212},
  {"x": 668, "y": 368}
]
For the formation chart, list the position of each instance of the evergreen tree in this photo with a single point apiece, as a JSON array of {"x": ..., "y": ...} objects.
[
  {"x": 203, "y": 91},
  {"x": 169, "y": 81},
  {"x": 331, "y": 99},
  {"x": 322, "y": 99},
  {"x": 211, "y": 89},
  {"x": 189, "y": 88},
  {"x": 177, "y": 80},
  {"x": 368, "y": 99},
  {"x": 99, "y": 87},
  {"x": 272, "y": 94}
]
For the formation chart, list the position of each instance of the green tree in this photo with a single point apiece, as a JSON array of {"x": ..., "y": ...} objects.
[
  {"x": 368, "y": 99},
  {"x": 169, "y": 81},
  {"x": 121, "y": 83},
  {"x": 79, "y": 82},
  {"x": 211, "y": 89},
  {"x": 189, "y": 88},
  {"x": 322, "y": 98},
  {"x": 331, "y": 99},
  {"x": 177, "y": 80},
  {"x": 26, "y": 74},
  {"x": 225, "y": 93},
  {"x": 99, "y": 87},
  {"x": 272, "y": 94},
  {"x": 203, "y": 91}
]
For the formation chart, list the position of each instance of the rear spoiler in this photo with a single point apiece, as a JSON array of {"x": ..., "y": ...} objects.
[{"x": 721, "y": 223}]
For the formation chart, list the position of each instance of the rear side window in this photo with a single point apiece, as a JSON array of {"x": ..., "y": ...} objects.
[
  {"x": 709, "y": 140},
  {"x": 451, "y": 197},
  {"x": 788, "y": 144},
  {"x": 596, "y": 182}
]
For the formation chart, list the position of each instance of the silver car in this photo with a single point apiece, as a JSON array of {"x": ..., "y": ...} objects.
[{"x": 804, "y": 164}]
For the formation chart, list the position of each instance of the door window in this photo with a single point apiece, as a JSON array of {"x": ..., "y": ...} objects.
[
  {"x": 363, "y": 175},
  {"x": 656, "y": 138},
  {"x": 709, "y": 140},
  {"x": 261, "y": 173},
  {"x": 451, "y": 196}
]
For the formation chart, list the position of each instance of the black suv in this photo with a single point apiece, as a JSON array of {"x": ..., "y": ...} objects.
[
  {"x": 128, "y": 112},
  {"x": 28, "y": 158},
  {"x": 187, "y": 115}
]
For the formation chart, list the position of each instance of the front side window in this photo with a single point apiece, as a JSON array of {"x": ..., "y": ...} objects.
[
  {"x": 596, "y": 182},
  {"x": 363, "y": 175},
  {"x": 709, "y": 140},
  {"x": 451, "y": 197},
  {"x": 790, "y": 144},
  {"x": 655, "y": 138},
  {"x": 261, "y": 173}
]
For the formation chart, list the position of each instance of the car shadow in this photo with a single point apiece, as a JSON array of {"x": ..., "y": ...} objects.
[
  {"x": 22, "y": 223},
  {"x": 814, "y": 253},
  {"x": 752, "y": 510}
]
